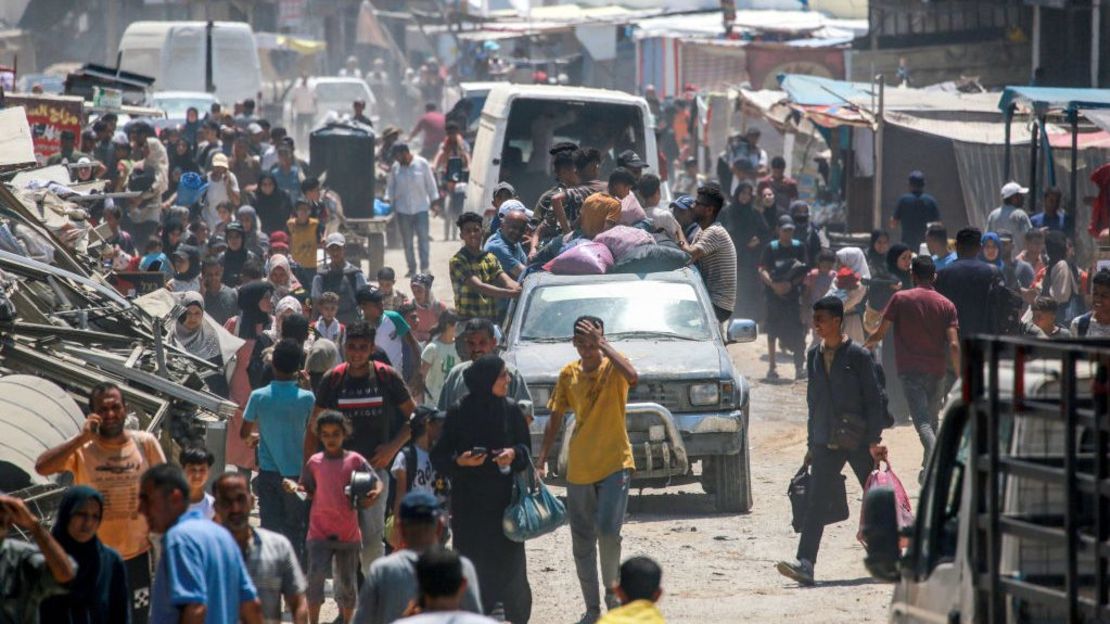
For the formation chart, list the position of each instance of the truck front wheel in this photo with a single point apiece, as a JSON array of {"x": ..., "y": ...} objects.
[{"x": 729, "y": 479}]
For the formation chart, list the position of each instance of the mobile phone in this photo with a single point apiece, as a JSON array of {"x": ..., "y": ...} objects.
[
  {"x": 95, "y": 427},
  {"x": 479, "y": 450}
]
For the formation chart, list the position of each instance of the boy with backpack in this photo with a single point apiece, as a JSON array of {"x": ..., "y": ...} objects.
[
  {"x": 1096, "y": 323},
  {"x": 412, "y": 469}
]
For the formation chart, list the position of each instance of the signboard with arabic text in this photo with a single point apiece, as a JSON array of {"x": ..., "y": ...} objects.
[{"x": 48, "y": 116}]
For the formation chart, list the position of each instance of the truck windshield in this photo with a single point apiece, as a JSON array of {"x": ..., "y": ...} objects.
[
  {"x": 345, "y": 92},
  {"x": 635, "y": 309}
]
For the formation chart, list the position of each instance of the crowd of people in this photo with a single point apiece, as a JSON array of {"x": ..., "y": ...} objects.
[{"x": 340, "y": 378}]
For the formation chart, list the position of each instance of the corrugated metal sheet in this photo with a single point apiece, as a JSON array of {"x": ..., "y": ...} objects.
[{"x": 35, "y": 415}]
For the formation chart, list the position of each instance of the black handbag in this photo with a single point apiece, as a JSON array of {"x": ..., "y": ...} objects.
[
  {"x": 848, "y": 431},
  {"x": 798, "y": 490}
]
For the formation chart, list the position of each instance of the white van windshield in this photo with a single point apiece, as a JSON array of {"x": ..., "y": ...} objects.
[{"x": 534, "y": 126}]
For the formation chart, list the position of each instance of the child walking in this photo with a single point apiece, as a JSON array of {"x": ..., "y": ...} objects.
[
  {"x": 412, "y": 468},
  {"x": 333, "y": 530},
  {"x": 438, "y": 358}
]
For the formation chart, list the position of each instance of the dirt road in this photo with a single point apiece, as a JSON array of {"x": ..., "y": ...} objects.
[{"x": 720, "y": 567}]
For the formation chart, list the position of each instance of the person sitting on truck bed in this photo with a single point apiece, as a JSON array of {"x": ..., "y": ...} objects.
[
  {"x": 845, "y": 425},
  {"x": 714, "y": 252}
]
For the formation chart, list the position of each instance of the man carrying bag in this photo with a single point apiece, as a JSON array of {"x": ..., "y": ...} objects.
[{"x": 845, "y": 426}]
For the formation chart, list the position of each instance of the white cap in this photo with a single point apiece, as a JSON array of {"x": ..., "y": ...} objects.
[
  {"x": 1013, "y": 188},
  {"x": 335, "y": 239},
  {"x": 513, "y": 204},
  {"x": 254, "y": 128}
]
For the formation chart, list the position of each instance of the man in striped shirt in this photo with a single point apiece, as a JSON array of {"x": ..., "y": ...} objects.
[
  {"x": 714, "y": 252},
  {"x": 375, "y": 399}
]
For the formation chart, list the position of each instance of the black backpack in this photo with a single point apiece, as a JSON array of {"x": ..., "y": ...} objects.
[{"x": 1005, "y": 306}]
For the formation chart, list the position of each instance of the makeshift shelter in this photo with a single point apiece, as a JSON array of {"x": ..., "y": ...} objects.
[{"x": 1041, "y": 103}]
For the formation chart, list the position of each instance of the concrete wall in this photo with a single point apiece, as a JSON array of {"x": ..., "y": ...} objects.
[{"x": 996, "y": 63}]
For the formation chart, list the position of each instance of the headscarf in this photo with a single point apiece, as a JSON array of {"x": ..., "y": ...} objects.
[
  {"x": 248, "y": 212},
  {"x": 291, "y": 282},
  {"x": 193, "y": 254},
  {"x": 250, "y": 315},
  {"x": 275, "y": 208},
  {"x": 993, "y": 237},
  {"x": 286, "y": 306},
  {"x": 322, "y": 356},
  {"x": 897, "y": 250},
  {"x": 480, "y": 377},
  {"x": 853, "y": 258},
  {"x": 94, "y": 560},
  {"x": 202, "y": 342},
  {"x": 874, "y": 258},
  {"x": 184, "y": 162}
]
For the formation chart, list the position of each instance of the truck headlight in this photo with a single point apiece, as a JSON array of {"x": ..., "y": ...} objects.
[
  {"x": 705, "y": 394},
  {"x": 540, "y": 396}
]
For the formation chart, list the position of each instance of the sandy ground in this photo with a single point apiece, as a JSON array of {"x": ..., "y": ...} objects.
[{"x": 720, "y": 567}]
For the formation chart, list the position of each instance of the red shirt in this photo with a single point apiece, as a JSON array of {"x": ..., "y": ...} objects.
[
  {"x": 434, "y": 126},
  {"x": 921, "y": 318}
]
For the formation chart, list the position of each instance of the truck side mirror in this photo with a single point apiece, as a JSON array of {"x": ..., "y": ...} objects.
[
  {"x": 741, "y": 330},
  {"x": 880, "y": 534}
]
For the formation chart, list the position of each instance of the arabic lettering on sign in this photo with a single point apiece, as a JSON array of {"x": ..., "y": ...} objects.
[{"x": 47, "y": 119}]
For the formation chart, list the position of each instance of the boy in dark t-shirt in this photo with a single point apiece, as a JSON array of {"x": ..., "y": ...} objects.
[{"x": 378, "y": 404}]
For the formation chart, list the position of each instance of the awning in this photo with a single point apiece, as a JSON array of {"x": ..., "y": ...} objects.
[
  {"x": 816, "y": 91},
  {"x": 1043, "y": 99},
  {"x": 277, "y": 41},
  {"x": 1100, "y": 118}
]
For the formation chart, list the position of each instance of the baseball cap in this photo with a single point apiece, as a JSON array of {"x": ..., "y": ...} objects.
[
  {"x": 254, "y": 128},
  {"x": 279, "y": 238},
  {"x": 513, "y": 204},
  {"x": 917, "y": 176},
  {"x": 234, "y": 226},
  {"x": 629, "y": 158},
  {"x": 504, "y": 187},
  {"x": 1013, "y": 188},
  {"x": 369, "y": 295},
  {"x": 217, "y": 241},
  {"x": 419, "y": 506},
  {"x": 219, "y": 159},
  {"x": 686, "y": 202},
  {"x": 786, "y": 222},
  {"x": 335, "y": 238}
]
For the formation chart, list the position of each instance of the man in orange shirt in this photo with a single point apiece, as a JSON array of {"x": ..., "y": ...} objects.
[{"x": 112, "y": 459}]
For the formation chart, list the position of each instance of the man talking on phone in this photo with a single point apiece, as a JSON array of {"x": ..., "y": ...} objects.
[{"x": 112, "y": 459}]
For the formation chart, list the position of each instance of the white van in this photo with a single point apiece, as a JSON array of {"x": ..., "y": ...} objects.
[
  {"x": 173, "y": 53},
  {"x": 517, "y": 118}
]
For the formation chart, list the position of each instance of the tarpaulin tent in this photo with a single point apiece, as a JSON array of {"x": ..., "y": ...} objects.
[{"x": 1040, "y": 102}]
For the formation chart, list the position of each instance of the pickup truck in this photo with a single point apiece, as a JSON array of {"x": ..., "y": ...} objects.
[
  {"x": 1013, "y": 520},
  {"x": 690, "y": 404}
]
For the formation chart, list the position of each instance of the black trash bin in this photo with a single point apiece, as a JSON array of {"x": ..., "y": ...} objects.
[{"x": 345, "y": 151}]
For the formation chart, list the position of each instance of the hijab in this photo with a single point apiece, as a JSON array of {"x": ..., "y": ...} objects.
[
  {"x": 275, "y": 208},
  {"x": 193, "y": 272},
  {"x": 897, "y": 250},
  {"x": 185, "y": 161},
  {"x": 291, "y": 282},
  {"x": 246, "y": 213},
  {"x": 202, "y": 342},
  {"x": 993, "y": 237},
  {"x": 91, "y": 590},
  {"x": 853, "y": 258},
  {"x": 874, "y": 258},
  {"x": 480, "y": 377},
  {"x": 250, "y": 315},
  {"x": 287, "y": 306}
]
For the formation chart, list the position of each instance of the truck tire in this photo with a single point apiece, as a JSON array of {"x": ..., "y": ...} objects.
[{"x": 732, "y": 480}]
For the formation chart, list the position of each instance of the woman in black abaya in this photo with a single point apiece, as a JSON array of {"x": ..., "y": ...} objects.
[{"x": 480, "y": 491}]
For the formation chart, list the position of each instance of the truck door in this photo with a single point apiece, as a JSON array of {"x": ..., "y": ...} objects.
[
  {"x": 485, "y": 163},
  {"x": 930, "y": 591}
]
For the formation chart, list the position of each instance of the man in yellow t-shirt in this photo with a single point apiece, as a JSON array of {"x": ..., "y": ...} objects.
[
  {"x": 600, "y": 462},
  {"x": 112, "y": 459}
]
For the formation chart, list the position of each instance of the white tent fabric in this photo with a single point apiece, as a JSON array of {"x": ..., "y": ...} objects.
[{"x": 35, "y": 414}]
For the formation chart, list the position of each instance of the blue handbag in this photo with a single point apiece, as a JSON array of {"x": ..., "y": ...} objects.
[{"x": 534, "y": 510}]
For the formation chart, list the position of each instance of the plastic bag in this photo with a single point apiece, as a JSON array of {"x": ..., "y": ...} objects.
[
  {"x": 886, "y": 478},
  {"x": 661, "y": 257},
  {"x": 585, "y": 259},
  {"x": 622, "y": 239}
]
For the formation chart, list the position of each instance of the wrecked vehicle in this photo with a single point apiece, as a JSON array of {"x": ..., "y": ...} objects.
[
  {"x": 690, "y": 403},
  {"x": 63, "y": 329}
]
